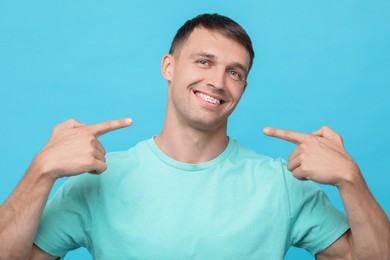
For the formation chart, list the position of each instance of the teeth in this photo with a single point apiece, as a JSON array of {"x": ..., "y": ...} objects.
[{"x": 208, "y": 98}]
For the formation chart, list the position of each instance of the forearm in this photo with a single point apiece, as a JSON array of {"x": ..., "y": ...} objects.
[
  {"x": 369, "y": 224},
  {"x": 21, "y": 212}
]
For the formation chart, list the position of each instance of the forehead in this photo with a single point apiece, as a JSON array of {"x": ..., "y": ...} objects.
[{"x": 202, "y": 40}]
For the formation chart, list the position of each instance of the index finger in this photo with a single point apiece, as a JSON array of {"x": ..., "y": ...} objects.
[
  {"x": 105, "y": 127},
  {"x": 287, "y": 135}
]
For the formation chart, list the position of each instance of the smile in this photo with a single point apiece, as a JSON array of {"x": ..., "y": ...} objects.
[{"x": 208, "y": 98}]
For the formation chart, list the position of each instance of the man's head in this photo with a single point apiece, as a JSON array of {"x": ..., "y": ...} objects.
[
  {"x": 213, "y": 22},
  {"x": 206, "y": 72}
]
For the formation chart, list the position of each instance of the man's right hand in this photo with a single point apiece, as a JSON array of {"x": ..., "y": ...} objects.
[{"x": 74, "y": 148}]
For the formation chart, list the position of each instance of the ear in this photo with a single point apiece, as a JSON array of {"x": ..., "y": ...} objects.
[
  {"x": 245, "y": 85},
  {"x": 167, "y": 67}
]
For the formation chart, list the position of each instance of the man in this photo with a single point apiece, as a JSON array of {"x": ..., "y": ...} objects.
[{"x": 191, "y": 191}]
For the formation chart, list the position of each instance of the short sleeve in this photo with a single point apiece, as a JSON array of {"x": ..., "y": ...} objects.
[
  {"x": 67, "y": 219},
  {"x": 316, "y": 223}
]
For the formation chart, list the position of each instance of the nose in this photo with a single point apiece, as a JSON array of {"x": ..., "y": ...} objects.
[{"x": 216, "y": 78}]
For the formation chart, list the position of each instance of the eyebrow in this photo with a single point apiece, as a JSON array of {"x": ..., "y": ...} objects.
[
  {"x": 235, "y": 65},
  {"x": 203, "y": 54}
]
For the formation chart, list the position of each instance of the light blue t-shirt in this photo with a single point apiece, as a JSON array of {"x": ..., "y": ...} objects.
[{"x": 240, "y": 205}]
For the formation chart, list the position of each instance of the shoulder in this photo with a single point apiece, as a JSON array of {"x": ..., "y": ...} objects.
[
  {"x": 134, "y": 151},
  {"x": 116, "y": 161},
  {"x": 275, "y": 168},
  {"x": 243, "y": 154}
]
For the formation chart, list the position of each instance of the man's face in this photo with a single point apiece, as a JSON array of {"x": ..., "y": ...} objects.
[{"x": 206, "y": 79}]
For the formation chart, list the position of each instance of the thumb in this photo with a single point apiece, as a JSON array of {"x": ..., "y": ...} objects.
[
  {"x": 328, "y": 133},
  {"x": 71, "y": 123}
]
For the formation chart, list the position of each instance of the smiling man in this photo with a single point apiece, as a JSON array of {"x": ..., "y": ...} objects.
[
  {"x": 206, "y": 79},
  {"x": 191, "y": 192}
]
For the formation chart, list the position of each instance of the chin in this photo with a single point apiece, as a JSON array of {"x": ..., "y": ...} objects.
[{"x": 208, "y": 126}]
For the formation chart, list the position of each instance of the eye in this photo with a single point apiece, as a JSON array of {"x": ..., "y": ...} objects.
[
  {"x": 235, "y": 74},
  {"x": 203, "y": 62}
]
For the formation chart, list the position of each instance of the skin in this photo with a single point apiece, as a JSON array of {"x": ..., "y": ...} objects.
[{"x": 194, "y": 132}]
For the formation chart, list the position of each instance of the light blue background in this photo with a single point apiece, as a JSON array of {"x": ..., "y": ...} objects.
[{"x": 317, "y": 62}]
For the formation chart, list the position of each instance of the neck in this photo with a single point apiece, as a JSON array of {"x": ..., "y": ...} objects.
[{"x": 189, "y": 145}]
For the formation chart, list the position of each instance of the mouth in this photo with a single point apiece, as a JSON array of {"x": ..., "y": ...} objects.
[{"x": 209, "y": 99}]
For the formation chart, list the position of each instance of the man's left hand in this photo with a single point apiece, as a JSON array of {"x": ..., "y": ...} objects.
[{"x": 319, "y": 156}]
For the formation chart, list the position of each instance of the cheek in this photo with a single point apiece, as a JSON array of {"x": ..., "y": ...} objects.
[
  {"x": 195, "y": 76},
  {"x": 237, "y": 92},
  {"x": 189, "y": 75}
]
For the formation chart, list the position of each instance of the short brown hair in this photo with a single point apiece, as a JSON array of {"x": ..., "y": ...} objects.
[{"x": 218, "y": 23}]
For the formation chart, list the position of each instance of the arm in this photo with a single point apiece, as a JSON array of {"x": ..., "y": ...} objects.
[
  {"x": 321, "y": 157},
  {"x": 21, "y": 212},
  {"x": 72, "y": 149},
  {"x": 369, "y": 237}
]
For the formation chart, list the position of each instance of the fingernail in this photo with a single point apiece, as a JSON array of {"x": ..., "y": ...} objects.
[{"x": 128, "y": 121}]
